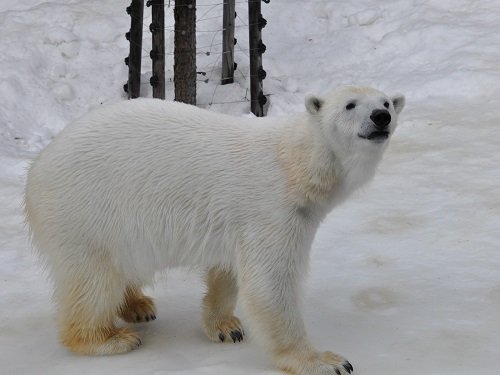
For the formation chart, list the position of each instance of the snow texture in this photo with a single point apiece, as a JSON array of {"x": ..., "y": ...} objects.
[{"x": 404, "y": 278}]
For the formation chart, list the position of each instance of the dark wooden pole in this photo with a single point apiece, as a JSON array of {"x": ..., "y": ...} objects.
[
  {"x": 228, "y": 42},
  {"x": 257, "y": 48},
  {"x": 133, "y": 86},
  {"x": 157, "y": 54},
  {"x": 185, "y": 51}
]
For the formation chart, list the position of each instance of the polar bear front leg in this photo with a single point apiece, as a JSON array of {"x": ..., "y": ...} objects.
[
  {"x": 219, "y": 323},
  {"x": 268, "y": 280}
]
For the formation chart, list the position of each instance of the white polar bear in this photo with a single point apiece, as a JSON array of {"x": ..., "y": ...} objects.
[{"x": 144, "y": 185}]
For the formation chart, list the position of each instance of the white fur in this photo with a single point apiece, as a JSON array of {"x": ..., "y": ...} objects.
[{"x": 144, "y": 185}]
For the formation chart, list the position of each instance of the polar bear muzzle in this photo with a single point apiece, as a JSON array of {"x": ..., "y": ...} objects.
[{"x": 381, "y": 119}]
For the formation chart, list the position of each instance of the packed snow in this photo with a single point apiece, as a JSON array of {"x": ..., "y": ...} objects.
[{"x": 404, "y": 278}]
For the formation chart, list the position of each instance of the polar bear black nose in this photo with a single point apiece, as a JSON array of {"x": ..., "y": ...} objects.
[{"x": 381, "y": 118}]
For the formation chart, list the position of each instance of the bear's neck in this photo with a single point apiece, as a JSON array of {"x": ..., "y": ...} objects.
[
  {"x": 318, "y": 177},
  {"x": 311, "y": 169}
]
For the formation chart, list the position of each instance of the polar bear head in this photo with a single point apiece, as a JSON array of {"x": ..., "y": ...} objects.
[{"x": 355, "y": 117}]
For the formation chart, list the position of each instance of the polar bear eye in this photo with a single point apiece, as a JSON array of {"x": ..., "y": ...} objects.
[
  {"x": 386, "y": 104},
  {"x": 350, "y": 106}
]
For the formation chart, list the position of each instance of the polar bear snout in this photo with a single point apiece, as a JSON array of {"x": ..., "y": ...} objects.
[
  {"x": 381, "y": 118},
  {"x": 378, "y": 130}
]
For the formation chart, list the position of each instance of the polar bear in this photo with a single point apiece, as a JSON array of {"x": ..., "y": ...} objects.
[{"x": 145, "y": 185}]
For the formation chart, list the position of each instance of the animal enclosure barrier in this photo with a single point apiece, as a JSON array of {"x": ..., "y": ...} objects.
[{"x": 185, "y": 74}]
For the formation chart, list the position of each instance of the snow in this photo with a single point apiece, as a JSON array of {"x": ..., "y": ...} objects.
[{"x": 404, "y": 277}]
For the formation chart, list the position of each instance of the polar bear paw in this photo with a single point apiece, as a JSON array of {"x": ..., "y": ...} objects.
[
  {"x": 331, "y": 364},
  {"x": 326, "y": 363},
  {"x": 100, "y": 340},
  {"x": 123, "y": 341},
  {"x": 137, "y": 310},
  {"x": 225, "y": 329}
]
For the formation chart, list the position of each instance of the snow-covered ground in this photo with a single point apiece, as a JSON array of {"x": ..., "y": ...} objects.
[{"x": 405, "y": 277}]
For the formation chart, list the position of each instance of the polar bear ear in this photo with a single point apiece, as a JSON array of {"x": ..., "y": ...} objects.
[
  {"x": 313, "y": 104},
  {"x": 398, "y": 101}
]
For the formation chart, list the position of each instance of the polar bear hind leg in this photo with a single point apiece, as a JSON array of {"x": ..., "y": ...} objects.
[
  {"x": 89, "y": 293},
  {"x": 219, "y": 323},
  {"x": 136, "y": 306}
]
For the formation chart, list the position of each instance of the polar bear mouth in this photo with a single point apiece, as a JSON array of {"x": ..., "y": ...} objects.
[{"x": 377, "y": 135}]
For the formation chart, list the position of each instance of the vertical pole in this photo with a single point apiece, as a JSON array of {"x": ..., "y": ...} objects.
[
  {"x": 257, "y": 48},
  {"x": 136, "y": 11},
  {"x": 228, "y": 42},
  {"x": 185, "y": 51},
  {"x": 157, "y": 54}
]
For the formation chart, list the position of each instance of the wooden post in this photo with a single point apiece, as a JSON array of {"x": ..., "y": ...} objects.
[
  {"x": 257, "y": 48},
  {"x": 133, "y": 86},
  {"x": 157, "y": 54},
  {"x": 228, "y": 42},
  {"x": 185, "y": 51}
]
